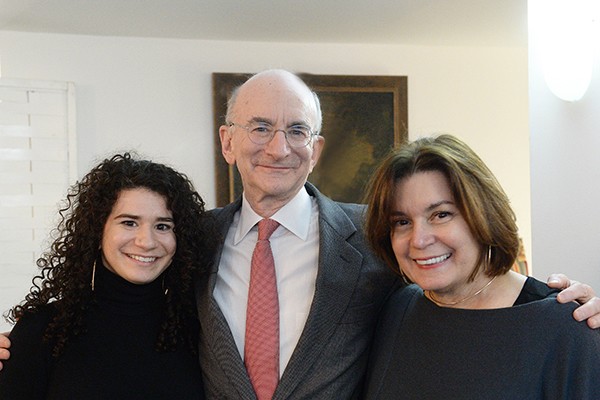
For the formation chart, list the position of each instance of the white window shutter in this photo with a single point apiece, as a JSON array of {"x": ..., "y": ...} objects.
[{"x": 37, "y": 164}]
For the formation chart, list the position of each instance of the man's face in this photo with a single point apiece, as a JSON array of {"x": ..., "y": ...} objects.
[{"x": 272, "y": 172}]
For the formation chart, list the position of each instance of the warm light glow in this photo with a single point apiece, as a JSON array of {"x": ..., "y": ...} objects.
[{"x": 565, "y": 32}]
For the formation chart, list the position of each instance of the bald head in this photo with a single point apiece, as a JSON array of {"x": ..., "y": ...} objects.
[{"x": 279, "y": 85}]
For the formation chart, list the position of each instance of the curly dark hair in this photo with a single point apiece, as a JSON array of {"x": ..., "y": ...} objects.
[{"x": 66, "y": 268}]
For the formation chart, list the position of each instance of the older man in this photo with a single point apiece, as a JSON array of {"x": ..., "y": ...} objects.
[{"x": 330, "y": 287}]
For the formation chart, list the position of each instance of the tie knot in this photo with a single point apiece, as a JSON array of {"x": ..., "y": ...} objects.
[{"x": 266, "y": 227}]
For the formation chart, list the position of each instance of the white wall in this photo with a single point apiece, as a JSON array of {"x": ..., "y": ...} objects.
[
  {"x": 565, "y": 177},
  {"x": 154, "y": 95}
]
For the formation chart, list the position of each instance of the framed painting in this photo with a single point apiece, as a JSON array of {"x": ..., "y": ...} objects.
[{"x": 363, "y": 118}]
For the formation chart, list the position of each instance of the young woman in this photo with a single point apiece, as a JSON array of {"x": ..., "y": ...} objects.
[
  {"x": 472, "y": 328},
  {"x": 112, "y": 313}
]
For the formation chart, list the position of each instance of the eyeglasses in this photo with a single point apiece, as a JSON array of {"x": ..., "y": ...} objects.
[{"x": 262, "y": 133}]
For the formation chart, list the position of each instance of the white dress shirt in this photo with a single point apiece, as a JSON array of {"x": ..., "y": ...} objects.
[{"x": 295, "y": 246}]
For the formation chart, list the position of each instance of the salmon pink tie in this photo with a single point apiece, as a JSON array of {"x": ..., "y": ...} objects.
[{"x": 261, "y": 348}]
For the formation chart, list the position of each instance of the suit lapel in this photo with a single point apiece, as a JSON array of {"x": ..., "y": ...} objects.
[
  {"x": 216, "y": 333},
  {"x": 339, "y": 270}
]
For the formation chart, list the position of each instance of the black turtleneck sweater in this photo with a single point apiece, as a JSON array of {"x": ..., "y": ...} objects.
[{"x": 114, "y": 359}]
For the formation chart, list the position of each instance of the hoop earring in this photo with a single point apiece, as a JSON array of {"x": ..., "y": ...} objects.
[
  {"x": 489, "y": 257},
  {"x": 163, "y": 286},
  {"x": 404, "y": 277},
  {"x": 93, "y": 276}
]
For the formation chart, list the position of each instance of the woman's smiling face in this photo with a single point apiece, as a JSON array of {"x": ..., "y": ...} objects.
[
  {"x": 431, "y": 240},
  {"x": 138, "y": 241}
]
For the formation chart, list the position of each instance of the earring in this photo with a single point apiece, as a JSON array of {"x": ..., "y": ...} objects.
[
  {"x": 404, "y": 277},
  {"x": 163, "y": 286},
  {"x": 93, "y": 276}
]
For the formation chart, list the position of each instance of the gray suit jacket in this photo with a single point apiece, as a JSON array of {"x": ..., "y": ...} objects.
[{"x": 330, "y": 359}]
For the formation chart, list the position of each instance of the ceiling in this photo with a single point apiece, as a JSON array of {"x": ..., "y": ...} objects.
[{"x": 412, "y": 22}]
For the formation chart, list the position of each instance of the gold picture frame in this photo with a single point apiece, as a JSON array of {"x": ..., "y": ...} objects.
[{"x": 363, "y": 118}]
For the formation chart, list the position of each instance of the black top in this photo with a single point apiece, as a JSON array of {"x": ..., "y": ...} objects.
[
  {"x": 534, "y": 351},
  {"x": 534, "y": 290},
  {"x": 114, "y": 359}
]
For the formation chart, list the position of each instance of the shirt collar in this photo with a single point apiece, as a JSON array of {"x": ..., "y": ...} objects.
[{"x": 287, "y": 216}]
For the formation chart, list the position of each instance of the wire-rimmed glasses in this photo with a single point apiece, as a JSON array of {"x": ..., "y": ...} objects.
[{"x": 262, "y": 133}]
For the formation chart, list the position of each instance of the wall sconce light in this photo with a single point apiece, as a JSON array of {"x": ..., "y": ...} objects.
[{"x": 565, "y": 32}]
